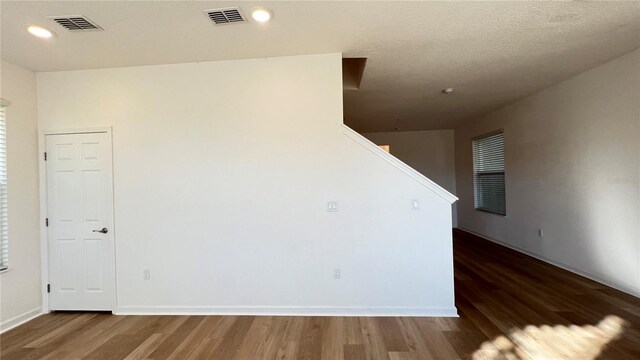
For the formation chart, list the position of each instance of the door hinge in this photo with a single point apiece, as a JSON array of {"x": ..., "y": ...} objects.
[
  {"x": 48, "y": 288},
  {"x": 46, "y": 222},
  {"x": 45, "y": 156}
]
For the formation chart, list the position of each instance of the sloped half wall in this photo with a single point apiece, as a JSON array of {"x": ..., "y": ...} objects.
[{"x": 222, "y": 175}]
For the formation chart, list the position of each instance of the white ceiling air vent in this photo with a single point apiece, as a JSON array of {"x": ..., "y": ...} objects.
[
  {"x": 76, "y": 23},
  {"x": 225, "y": 16}
]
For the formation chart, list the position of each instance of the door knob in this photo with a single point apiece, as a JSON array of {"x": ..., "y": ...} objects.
[{"x": 103, "y": 230}]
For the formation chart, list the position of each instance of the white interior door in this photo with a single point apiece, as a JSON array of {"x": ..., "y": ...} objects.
[{"x": 80, "y": 221}]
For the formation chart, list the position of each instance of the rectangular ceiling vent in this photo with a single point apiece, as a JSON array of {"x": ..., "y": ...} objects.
[
  {"x": 76, "y": 23},
  {"x": 225, "y": 16}
]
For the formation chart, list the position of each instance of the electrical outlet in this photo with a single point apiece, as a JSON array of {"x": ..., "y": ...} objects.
[
  {"x": 332, "y": 206},
  {"x": 146, "y": 274},
  {"x": 540, "y": 233},
  {"x": 336, "y": 273}
]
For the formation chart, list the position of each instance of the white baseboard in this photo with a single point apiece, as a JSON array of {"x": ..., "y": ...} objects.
[
  {"x": 20, "y": 319},
  {"x": 284, "y": 311},
  {"x": 557, "y": 263}
]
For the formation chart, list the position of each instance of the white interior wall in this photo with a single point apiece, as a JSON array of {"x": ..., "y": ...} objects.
[
  {"x": 222, "y": 173},
  {"x": 430, "y": 152},
  {"x": 20, "y": 295},
  {"x": 572, "y": 158}
]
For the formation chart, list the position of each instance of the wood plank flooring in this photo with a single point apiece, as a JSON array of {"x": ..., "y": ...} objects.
[{"x": 511, "y": 307}]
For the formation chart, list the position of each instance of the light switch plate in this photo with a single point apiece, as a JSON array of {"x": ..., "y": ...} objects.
[
  {"x": 332, "y": 206},
  {"x": 415, "y": 204}
]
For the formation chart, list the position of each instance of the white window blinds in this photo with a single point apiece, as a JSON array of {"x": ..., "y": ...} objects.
[
  {"x": 488, "y": 173},
  {"x": 4, "y": 240}
]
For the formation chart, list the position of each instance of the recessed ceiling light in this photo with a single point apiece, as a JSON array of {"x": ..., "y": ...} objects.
[
  {"x": 261, "y": 14},
  {"x": 40, "y": 32},
  {"x": 447, "y": 91}
]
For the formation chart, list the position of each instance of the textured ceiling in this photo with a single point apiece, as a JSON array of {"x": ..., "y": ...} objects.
[{"x": 492, "y": 53}]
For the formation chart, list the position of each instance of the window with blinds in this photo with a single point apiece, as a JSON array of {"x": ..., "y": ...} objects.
[
  {"x": 488, "y": 173},
  {"x": 4, "y": 240}
]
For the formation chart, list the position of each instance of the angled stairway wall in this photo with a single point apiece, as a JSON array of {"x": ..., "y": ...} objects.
[{"x": 222, "y": 174}]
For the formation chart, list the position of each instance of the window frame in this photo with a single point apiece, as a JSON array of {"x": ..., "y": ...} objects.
[{"x": 475, "y": 174}]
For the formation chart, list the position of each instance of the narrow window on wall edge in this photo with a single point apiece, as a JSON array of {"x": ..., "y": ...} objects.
[
  {"x": 4, "y": 239},
  {"x": 488, "y": 173}
]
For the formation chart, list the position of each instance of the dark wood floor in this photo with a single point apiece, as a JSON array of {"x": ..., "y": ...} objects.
[{"x": 511, "y": 307}]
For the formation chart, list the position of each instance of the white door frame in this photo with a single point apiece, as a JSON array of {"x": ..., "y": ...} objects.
[{"x": 44, "y": 241}]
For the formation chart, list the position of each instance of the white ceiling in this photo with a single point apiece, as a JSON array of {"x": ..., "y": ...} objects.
[{"x": 492, "y": 53}]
